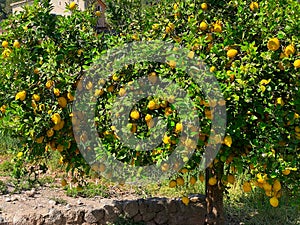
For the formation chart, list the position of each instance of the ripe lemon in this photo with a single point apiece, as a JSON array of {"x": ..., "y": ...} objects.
[
  {"x": 286, "y": 172},
  {"x": 201, "y": 177},
  {"x": 193, "y": 180},
  {"x": 180, "y": 181},
  {"x": 289, "y": 50},
  {"x": 297, "y": 63},
  {"x": 203, "y": 26},
  {"x": 21, "y": 95},
  {"x": 135, "y": 114},
  {"x": 254, "y": 6},
  {"x": 212, "y": 69},
  {"x": 274, "y": 201},
  {"x": 247, "y": 187},
  {"x": 50, "y": 133},
  {"x": 4, "y": 44},
  {"x": 172, "y": 184},
  {"x": 98, "y": 13},
  {"x": 178, "y": 127},
  {"x": 204, "y": 6},
  {"x": 72, "y": 5},
  {"x": 267, "y": 186},
  {"x": 212, "y": 181},
  {"x": 191, "y": 54},
  {"x": 151, "y": 105},
  {"x": 62, "y": 102},
  {"x": 276, "y": 185},
  {"x": 70, "y": 96},
  {"x": 148, "y": 117},
  {"x": 273, "y": 44},
  {"x": 56, "y": 118},
  {"x": 185, "y": 200},
  {"x": 232, "y": 53},
  {"x": 16, "y": 44},
  {"x": 228, "y": 141}
]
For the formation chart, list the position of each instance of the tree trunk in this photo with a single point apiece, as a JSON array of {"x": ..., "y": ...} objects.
[{"x": 214, "y": 197}]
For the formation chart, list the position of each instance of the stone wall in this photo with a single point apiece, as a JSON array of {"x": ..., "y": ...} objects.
[{"x": 151, "y": 211}]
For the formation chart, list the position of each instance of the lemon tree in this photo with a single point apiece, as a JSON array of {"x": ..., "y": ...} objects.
[
  {"x": 42, "y": 58},
  {"x": 253, "y": 50}
]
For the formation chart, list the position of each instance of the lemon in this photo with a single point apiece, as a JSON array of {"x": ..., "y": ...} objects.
[
  {"x": 4, "y": 44},
  {"x": 212, "y": 181},
  {"x": 172, "y": 184},
  {"x": 70, "y": 96},
  {"x": 98, "y": 92},
  {"x": 152, "y": 77},
  {"x": 56, "y": 118},
  {"x": 50, "y": 133},
  {"x": 148, "y": 117},
  {"x": 203, "y": 26},
  {"x": 232, "y": 53},
  {"x": 212, "y": 69},
  {"x": 172, "y": 64},
  {"x": 274, "y": 201},
  {"x": 191, "y": 54},
  {"x": 286, "y": 172},
  {"x": 289, "y": 50},
  {"x": 40, "y": 140},
  {"x": 185, "y": 200},
  {"x": 16, "y": 44},
  {"x": 228, "y": 141},
  {"x": 166, "y": 139},
  {"x": 135, "y": 114},
  {"x": 62, "y": 102},
  {"x": 72, "y": 5},
  {"x": 151, "y": 105},
  {"x": 273, "y": 44},
  {"x": 49, "y": 84},
  {"x": 111, "y": 88},
  {"x": 98, "y": 13},
  {"x": 180, "y": 181},
  {"x": 254, "y": 6},
  {"x": 201, "y": 177},
  {"x": 267, "y": 186},
  {"x": 247, "y": 187},
  {"x": 178, "y": 127},
  {"x": 204, "y": 6},
  {"x": 122, "y": 92},
  {"x": 277, "y": 186},
  {"x": 217, "y": 28},
  {"x": 21, "y": 95},
  {"x": 193, "y": 180},
  {"x": 297, "y": 63}
]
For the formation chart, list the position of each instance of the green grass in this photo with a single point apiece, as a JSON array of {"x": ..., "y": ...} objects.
[{"x": 88, "y": 191}]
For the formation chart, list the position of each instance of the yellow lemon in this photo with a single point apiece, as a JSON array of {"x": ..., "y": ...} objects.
[
  {"x": 36, "y": 71},
  {"x": 191, "y": 54},
  {"x": 49, "y": 84},
  {"x": 56, "y": 118},
  {"x": 98, "y": 13},
  {"x": 204, "y": 6},
  {"x": 228, "y": 141},
  {"x": 172, "y": 64},
  {"x": 232, "y": 53},
  {"x": 178, "y": 127},
  {"x": 4, "y": 44},
  {"x": 111, "y": 88},
  {"x": 203, "y": 26},
  {"x": 98, "y": 92},
  {"x": 273, "y": 44},
  {"x": 247, "y": 187},
  {"x": 40, "y": 140},
  {"x": 135, "y": 114},
  {"x": 267, "y": 186},
  {"x": 254, "y": 6},
  {"x": 180, "y": 181},
  {"x": 297, "y": 63},
  {"x": 185, "y": 200},
  {"x": 148, "y": 118},
  {"x": 274, "y": 201},
  {"x": 50, "y": 133},
  {"x": 151, "y": 105},
  {"x": 166, "y": 139},
  {"x": 193, "y": 180},
  {"x": 217, "y": 28},
  {"x": 277, "y": 186},
  {"x": 289, "y": 50},
  {"x": 279, "y": 101},
  {"x": 172, "y": 184},
  {"x": 62, "y": 102},
  {"x": 70, "y": 96},
  {"x": 72, "y": 5},
  {"x": 16, "y": 44},
  {"x": 212, "y": 69},
  {"x": 21, "y": 95},
  {"x": 212, "y": 181},
  {"x": 122, "y": 92}
]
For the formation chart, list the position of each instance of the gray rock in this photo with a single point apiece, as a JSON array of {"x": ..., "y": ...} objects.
[
  {"x": 131, "y": 208},
  {"x": 161, "y": 217},
  {"x": 8, "y": 199},
  {"x": 52, "y": 202},
  {"x": 94, "y": 215},
  {"x": 55, "y": 217}
]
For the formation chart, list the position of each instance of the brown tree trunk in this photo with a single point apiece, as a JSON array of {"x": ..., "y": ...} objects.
[{"x": 214, "y": 197}]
